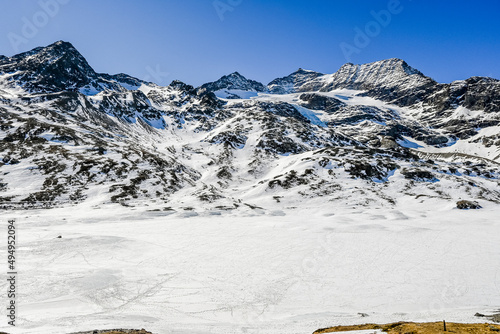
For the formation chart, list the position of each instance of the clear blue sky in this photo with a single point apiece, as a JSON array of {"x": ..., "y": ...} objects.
[{"x": 263, "y": 39}]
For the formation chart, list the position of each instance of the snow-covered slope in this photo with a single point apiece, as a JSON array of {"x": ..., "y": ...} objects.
[
  {"x": 389, "y": 75},
  {"x": 277, "y": 273},
  {"x": 67, "y": 131}
]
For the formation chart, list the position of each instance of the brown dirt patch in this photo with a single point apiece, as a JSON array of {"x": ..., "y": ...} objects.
[{"x": 419, "y": 328}]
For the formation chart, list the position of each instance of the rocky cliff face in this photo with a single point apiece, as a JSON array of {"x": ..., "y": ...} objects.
[
  {"x": 292, "y": 82},
  {"x": 234, "y": 82}
]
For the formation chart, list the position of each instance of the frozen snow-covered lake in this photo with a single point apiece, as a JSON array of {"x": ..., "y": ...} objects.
[{"x": 118, "y": 267}]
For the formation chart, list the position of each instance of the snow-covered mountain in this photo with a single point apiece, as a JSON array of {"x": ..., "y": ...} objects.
[
  {"x": 292, "y": 82},
  {"x": 233, "y": 85},
  {"x": 59, "y": 67},
  {"x": 371, "y": 134}
]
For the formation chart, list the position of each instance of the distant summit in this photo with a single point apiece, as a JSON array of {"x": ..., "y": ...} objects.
[
  {"x": 234, "y": 81},
  {"x": 56, "y": 67},
  {"x": 292, "y": 82}
]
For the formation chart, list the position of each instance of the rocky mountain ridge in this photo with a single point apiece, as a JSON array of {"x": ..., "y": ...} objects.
[{"x": 366, "y": 135}]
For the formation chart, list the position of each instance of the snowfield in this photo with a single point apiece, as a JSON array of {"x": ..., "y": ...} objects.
[{"x": 289, "y": 271}]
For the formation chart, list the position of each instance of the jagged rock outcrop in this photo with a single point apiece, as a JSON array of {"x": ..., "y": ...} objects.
[
  {"x": 234, "y": 82},
  {"x": 292, "y": 82}
]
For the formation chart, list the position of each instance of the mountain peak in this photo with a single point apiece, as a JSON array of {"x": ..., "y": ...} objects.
[
  {"x": 234, "y": 81},
  {"x": 236, "y": 74},
  {"x": 179, "y": 85},
  {"x": 292, "y": 82},
  {"x": 402, "y": 64},
  {"x": 302, "y": 70},
  {"x": 58, "y": 66},
  {"x": 390, "y": 79},
  {"x": 54, "y": 50},
  {"x": 385, "y": 66},
  {"x": 61, "y": 44},
  {"x": 387, "y": 73}
]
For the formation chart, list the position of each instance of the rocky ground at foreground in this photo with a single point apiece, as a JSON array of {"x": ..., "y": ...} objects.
[
  {"x": 111, "y": 331},
  {"x": 418, "y": 328},
  {"x": 116, "y": 331}
]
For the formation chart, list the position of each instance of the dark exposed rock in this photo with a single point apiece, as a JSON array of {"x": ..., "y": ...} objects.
[
  {"x": 292, "y": 82},
  {"x": 419, "y": 175},
  {"x": 115, "y": 331},
  {"x": 493, "y": 317},
  {"x": 466, "y": 205},
  {"x": 320, "y": 102},
  {"x": 234, "y": 139},
  {"x": 234, "y": 81},
  {"x": 282, "y": 109},
  {"x": 54, "y": 68},
  {"x": 130, "y": 106}
]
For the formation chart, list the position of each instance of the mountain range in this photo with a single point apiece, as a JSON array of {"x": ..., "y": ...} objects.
[{"x": 371, "y": 134}]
